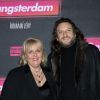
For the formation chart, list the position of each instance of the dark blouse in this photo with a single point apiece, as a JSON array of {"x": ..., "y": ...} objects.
[{"x": 45, "y": 92}]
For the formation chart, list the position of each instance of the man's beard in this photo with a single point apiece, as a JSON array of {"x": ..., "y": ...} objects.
[{"x": 68, "y": 45}]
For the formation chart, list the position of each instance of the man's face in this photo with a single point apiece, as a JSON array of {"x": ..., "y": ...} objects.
[{"x": 65, "y": 34}]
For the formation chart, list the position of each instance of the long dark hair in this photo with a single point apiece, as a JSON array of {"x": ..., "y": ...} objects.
[{"x": 56, "y": 46}]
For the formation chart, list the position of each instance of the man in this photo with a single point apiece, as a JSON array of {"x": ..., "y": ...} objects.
[{"x": 75, "y": 64}]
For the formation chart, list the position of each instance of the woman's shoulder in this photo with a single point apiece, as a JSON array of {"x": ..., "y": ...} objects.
[{"x": 17, "y": 71}]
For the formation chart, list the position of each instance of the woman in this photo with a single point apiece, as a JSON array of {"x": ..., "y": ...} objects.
[{"x": 31, "y": 81}]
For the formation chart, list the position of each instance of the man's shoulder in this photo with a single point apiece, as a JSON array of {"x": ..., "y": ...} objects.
[{"x": 92, "y": 47}]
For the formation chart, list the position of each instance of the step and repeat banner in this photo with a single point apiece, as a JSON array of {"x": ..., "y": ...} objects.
[
  {"x": 21, "y": 19},
  {"x": 22, "y": 8}
]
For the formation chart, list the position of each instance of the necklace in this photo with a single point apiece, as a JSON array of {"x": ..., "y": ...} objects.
[
  {"x": 40, "y": 79},
  {"x": 38, "y": 76}
]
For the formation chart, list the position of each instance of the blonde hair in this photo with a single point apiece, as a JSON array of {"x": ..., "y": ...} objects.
[{"x": 28, "y": 43}]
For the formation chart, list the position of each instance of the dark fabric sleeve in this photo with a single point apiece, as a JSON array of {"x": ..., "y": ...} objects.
[
  {"x": 9, "y": 88},
  {"x": 90, "y": 82},
  {"x": 95, "y": 62},
  {"x": 98, "y": 73}
]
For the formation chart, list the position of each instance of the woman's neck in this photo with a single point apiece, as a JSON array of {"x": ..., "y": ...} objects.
[{"x": 38, "y": 75}]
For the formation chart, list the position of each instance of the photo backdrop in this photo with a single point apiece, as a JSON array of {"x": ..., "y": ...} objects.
[{"x": 19, "y": 23}]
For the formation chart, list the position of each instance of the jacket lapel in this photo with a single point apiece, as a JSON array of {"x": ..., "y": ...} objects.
[
  {"x": 51, "y": 83},
  {"x": 31, "y": 84}
]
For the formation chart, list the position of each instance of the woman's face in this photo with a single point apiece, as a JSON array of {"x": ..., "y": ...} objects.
[
  {"x": 34, "y": 55},
  {"x": 65, "y": 34}
]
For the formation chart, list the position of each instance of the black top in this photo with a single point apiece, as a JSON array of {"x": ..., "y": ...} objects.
[
  {"x": 45, "y": 92},
  {"x": 68, "y": 90}
]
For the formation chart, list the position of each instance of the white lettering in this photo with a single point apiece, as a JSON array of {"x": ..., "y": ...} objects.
[
  {"x": 20, "y": 25},
  {"x": 13, "y": 9}
]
